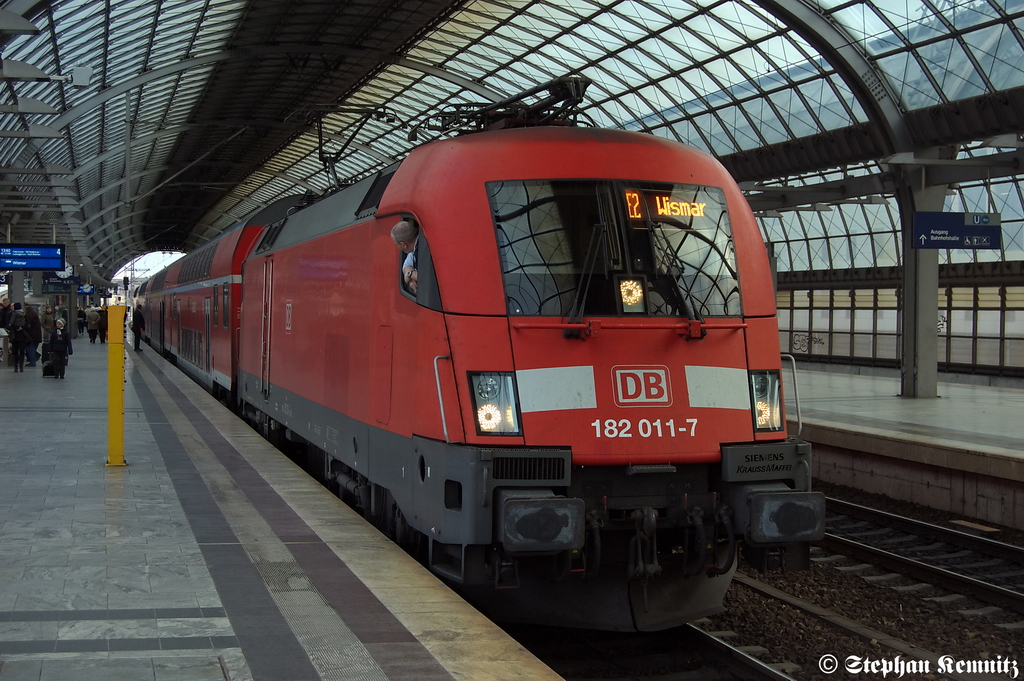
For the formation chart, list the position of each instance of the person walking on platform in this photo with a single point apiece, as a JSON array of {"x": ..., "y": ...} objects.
[
  {"x": 92, "y": 319},
  {"x": 47, "y": 317},
  {"x": 60, "y": 348},
  {"x": 19, "y": 337},
  {"x": 35, "y": 333},
  {"x": 6, "y": 310},
  {"x": 102, "y": 329},
  {"x": 81, "y": 321},
  {"x": 138, "y": 326}
]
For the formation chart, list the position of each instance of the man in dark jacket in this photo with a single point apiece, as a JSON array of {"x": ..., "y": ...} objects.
[
  {"x": 60, "y": 348},
  {"x": 35, "y": 335},
  {"x": 138, "y": 326},
  {"x": 19, "y": 337},
  {"x": 103, "y": 325}
]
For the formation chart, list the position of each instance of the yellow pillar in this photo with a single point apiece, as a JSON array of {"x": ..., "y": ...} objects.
[{"x": 115, "y": 385}]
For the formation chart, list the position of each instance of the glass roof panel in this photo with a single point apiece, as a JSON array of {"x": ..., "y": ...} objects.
[
  {"x": 886, "y": 249},
  {"x": 654, "y": 85},
  {"x": 1000, "y": 55},
  {"x": 913, "y": 87},
  {"x": 658, "y": 101},
  {"x": 772, "y": 128},
  {"x": 719, "y": 139},
  {"x": 645, "y": 65},
  {"x": 965, "y": 15},
  {"x": 673, "y": 47},
  {"x": 937, "y": 34},
  {"x": 556, "y": 14},
  {"x": 957, "y": 77},
  {"x": 744, "y": 134},
  {"x": 863, "y": 21},
  {"x": 750, "y": 21},
  {"x": 609, "y": 39},
  {"x": 707, "y": 38},
  {"x": 722, "y": 75},
  {"x": 772, "y": 228},
  {"x": 818, "y": 253},
  {"x": 649, "y": 16},
  {"x": 912, "y": 19},
  {"x": 838, "y": 249},
  {"x": 621, "y": 23}
]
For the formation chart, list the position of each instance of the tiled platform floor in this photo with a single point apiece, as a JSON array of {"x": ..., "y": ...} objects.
[{"x": 209, "y": 556}]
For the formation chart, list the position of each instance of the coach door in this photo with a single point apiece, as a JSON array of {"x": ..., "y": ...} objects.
[
  {"x": 268, "y": 293},
  {"x": 206, "y": 336}
]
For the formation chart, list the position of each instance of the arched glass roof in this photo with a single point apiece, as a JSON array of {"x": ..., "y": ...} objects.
[{"x": 165, "y": 148}]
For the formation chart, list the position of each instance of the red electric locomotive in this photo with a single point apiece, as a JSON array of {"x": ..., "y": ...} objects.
[{"x": 578, "y": 411}]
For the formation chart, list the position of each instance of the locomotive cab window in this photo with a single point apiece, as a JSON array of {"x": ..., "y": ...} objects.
[
  {"x": 571, "y": 248},
  {"x": 422, "y": 285}
]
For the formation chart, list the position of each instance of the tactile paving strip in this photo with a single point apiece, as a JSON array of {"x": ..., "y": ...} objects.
[{"x": 333, "y": 648}]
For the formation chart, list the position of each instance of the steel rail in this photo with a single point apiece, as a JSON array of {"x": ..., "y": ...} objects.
[
  {"x": 741, "y": 664},
  {"x": 911, "y": 567},
  {"x": 984, "y": 545}
]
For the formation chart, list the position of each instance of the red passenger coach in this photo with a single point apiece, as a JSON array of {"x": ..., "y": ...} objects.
[
  {"x": 191, "y": 308},
  {"x": 576, "y": 415}
]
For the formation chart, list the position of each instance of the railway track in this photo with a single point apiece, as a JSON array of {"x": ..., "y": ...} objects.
[
  {"x": 910, "y": 653},
  {"x": 686, "y": 653},
  {"x": 962, "y": 564},
  {"x": 736, "y": 660},
  {"x": 936, "y": 563}
]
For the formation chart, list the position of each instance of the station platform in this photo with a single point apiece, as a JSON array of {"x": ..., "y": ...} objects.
[
  {"x": 961, "y": 452},
  {"x": 209, "y": 556}
]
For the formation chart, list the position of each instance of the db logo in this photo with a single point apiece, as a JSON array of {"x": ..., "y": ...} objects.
[{"x": 642, "y": 386}]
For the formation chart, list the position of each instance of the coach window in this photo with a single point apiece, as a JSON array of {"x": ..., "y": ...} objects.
[{"x": 427, "y": 293}]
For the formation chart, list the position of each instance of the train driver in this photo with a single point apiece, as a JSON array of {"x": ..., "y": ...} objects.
[{"x": 406, "y": 236}]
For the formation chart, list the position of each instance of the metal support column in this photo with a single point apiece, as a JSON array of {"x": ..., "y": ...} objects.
[
  {"x": 16, "y": 286},
  {"x": 919, "y": 314}
]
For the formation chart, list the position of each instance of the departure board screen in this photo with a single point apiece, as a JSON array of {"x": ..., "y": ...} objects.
[{"x": 46, "y": 257}]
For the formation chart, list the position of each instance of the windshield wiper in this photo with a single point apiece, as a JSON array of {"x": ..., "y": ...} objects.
[
  {"x": 688, "y": 306},
  {"x": 579, "y": 302}
]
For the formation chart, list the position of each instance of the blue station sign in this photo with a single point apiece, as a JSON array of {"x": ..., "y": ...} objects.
[
  {"x": 971, "y": 231},
  {"x": 61, "y": 279},
  {"x": 47, "y": 257}
]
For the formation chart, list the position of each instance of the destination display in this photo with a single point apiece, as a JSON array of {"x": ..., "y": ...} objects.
[
  {"x": 46, "y": 257},
  {"x": 641, "y": 203}
]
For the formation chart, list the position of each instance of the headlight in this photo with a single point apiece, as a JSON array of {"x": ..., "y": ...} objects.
[
  {"x": 766, "y": 401},
  {"x": 495, "y": 405},
  {"x": 631, "y": 295}
]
